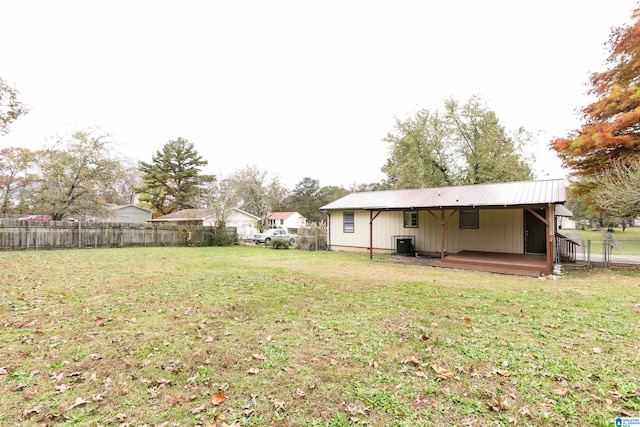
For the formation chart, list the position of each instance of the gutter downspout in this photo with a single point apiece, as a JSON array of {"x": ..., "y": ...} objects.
[
  {"x": 328, "y": 230},
  {"x": 371, "y": 218}
]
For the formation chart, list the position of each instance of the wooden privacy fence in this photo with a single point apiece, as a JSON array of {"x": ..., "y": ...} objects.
[{"x": 16, "y": 234}]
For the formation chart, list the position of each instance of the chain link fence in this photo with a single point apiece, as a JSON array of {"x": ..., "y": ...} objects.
[{"x": 604, "y": 252}]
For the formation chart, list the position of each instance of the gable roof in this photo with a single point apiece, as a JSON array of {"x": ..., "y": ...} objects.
[
  {"x": 521, "y": 193},
  {"x": 240, "y": 211},
  {"x": 186, "y": 215},
  {"x": 196, "y": 215},
  {"x": 281, "y": 215},
  {"x": 119, "y": 207}
]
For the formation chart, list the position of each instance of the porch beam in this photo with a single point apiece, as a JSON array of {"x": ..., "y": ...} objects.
[{"x": 540, "y": 217}]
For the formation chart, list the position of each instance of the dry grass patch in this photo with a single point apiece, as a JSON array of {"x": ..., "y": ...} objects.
[{"x": 246, "y": 336}]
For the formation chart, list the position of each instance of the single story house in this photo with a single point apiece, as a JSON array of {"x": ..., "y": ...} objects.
[
  {"x": 286, "y": 220},
  {"x": 244, "y": 222},
  {"x": 121, "y": 213},
  {"x": 502, "y": 227}
]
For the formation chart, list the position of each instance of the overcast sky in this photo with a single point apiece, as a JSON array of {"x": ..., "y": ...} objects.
[{"x": 297, "y": 88}]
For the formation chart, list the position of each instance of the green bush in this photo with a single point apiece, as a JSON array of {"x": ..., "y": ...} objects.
[{"x": 279, "y": 243}]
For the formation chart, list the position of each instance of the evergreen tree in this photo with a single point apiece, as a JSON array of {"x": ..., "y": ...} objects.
[{"x": 172, "y": 179}]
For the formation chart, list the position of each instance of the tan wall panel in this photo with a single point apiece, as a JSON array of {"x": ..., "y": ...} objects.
[{"x": 501, "y": 230}]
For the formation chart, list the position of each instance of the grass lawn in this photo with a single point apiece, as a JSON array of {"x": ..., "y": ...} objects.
[
  {"x": 628, "y": 241},
  {"x": 250, "y": 336}
]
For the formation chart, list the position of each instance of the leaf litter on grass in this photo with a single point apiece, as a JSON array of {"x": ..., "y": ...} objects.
[{"x": 127, "y": 329}]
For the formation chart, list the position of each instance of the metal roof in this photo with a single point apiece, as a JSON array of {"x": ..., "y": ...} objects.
[{"x": 503, "y": 194}]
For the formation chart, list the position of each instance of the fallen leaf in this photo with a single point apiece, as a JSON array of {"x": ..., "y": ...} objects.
[
  {"x": 217, "y": 398},
  {"x": 502, "y": 372},
  {"x": 198, "y": 409},
  {"x": 33, "y": 410},
  {"x": 561, "y": 391},
  {"x": 466, "y": 319},
  {"x": 119, "y": 417},
  {"x": 300, "y": 392},
  {"x": 496, "y": 404},
  {"x": 420, "y": 373},
  {"x": 413, "y": 361},
  {"x": 525, "y": 412},
  {"x": 596, "y": 350},
  {"x": 253, "y": 371},
  {"x": 424, "y": 337},
  {"x": 146, "y": 362},
  {"x": 78, "y": 402},
  {"x": 259, "y": 356},
  {"x": 441, "y": 373}
]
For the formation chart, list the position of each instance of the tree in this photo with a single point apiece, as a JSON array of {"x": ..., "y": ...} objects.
[
  {"x": 10, "y": 107},
  {"x": 464, "y": 145},
  {"x": 307, "y": 197},
  {"x": 123, "y": 189},
  {"x": 16, "y": 174},
  {"x": 418, "y": 154},
  {"x": 73, "y": 174},
  {"x": 304, "y": 199},
  {"x": 172, "y": 179},
  {"x": 488, "y": 153},
  {"x": 617, "y": 192},
  {"x": 611, "y": 129},
  {"x": 253, "y": 191}
]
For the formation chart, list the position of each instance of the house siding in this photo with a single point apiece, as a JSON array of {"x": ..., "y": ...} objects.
[
  {"x": 245, "y": 225},
  {"x": 500, "y": 230},
  {"x": 130, "y": 214}
]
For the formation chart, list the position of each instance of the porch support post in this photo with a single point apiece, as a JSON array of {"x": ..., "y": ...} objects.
[
  {"x": 371, "y": 218},
  {"x": 443, "y": 221},
  {"x": 550, "y": 239},
  {"x": 549, "y": 235}
]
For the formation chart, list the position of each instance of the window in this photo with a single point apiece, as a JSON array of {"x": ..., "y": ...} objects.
[
  {"x": 410, "y": 219},
  {"x": 469, "y": 219},
  {"x": 348, "y": 222}
]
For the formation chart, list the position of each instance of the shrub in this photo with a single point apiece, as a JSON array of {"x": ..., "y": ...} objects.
[
  {"x": 223, "y": 235},
  {"x": 279, "y": 243}
]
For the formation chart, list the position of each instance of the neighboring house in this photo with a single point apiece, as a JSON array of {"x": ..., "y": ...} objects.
[
  {"x": 506, "y": 224},
  {"x": 286, "y": 220},
  {"x": 564, "y": 218},
  {"x": 244, "y": 222},
  {"x": 124, "y": 213}
]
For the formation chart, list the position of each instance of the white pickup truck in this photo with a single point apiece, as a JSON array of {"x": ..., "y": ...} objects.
[{"x": 274, "y": 233}]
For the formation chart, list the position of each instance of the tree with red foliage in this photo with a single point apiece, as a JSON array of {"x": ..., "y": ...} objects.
[{"x": 611, "y": 132}]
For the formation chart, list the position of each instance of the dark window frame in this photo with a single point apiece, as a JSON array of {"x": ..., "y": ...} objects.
[
  {"x": 412, "y": 216},
  {"x": 348, "y": 222},
  {"x": 469, "y": 219}
]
